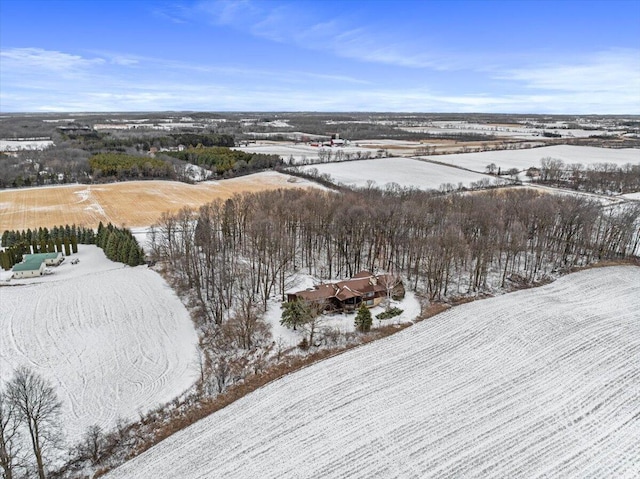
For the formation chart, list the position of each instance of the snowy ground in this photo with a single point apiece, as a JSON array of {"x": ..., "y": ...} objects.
[
  {"x": 16, "y": 145},
  {"x": 539, "y": 383},
  {"x": 523, "y": 159},
  {"x": 503, "y": 131},
  {"x": 406, "y": 172},
  {"x": 632, "y": 196},
  {"x": 301, "y": 151},
  {"x": 114, "y": 340}
]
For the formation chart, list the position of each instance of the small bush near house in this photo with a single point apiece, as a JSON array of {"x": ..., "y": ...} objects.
[{"x": 390, "y": 314}]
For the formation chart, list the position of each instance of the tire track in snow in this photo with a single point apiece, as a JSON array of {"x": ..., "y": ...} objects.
[{"x": 114, "y": 342}]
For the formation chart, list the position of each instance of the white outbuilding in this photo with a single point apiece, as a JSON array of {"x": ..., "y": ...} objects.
[{"x": 29, "y": 268}]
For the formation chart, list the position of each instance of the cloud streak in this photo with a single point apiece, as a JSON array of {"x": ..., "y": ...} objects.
[
  {"x": 37, "y": 58},
  {"x": 615, "y": 70}
]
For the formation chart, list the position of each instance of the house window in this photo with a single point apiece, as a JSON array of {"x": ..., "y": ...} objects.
[
  {"x": 369, "y": 295},
  {"x": 369, "y": 302}
]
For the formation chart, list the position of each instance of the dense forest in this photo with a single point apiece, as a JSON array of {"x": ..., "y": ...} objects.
[
  {"x": 222, "y": 160},
  {"x": 124, "y": 166}
]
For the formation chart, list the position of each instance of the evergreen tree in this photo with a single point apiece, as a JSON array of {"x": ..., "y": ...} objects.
[
  {"x": 67, "y": 246},
  {"x": 363, "y": 319},
  {"x": 74, "y": 244},
  {"x": 123, "y": 248},
  {"x": 111, "y": 247},
  {"x": 296, "y": 313},
  {"x": 134, "y": 258},
  {"x": 4, "y": 260}
]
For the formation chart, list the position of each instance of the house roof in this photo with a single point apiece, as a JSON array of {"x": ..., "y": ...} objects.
[
  {"x": 362, "y": 283},
  {"x": 28, "y": 264},
  {"x": 41, "y": 256}
]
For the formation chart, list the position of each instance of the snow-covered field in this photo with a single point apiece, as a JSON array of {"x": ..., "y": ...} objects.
[
  {"x": 504, "y": 131},
  {"x": 406, "y": 172},
  {"x": 543, "y": 382},
  {"x": 18, "y": 145},
  {"x": 114, "y": 340},
  {"x": 301, "y": 151},
  {"x": 523, "y": 159}
]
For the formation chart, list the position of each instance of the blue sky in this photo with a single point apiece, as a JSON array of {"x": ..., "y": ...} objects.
[{"x": 262, "y": 55}]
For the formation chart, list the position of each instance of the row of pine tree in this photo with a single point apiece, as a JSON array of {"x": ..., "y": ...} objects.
[{"x": 117, "y": 243}]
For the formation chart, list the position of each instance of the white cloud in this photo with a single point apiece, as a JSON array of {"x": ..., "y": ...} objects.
[
  {"x": 124, "y": 60},
  {"x": 31, "y": 58},
  {"x": 612, "y": 71}
]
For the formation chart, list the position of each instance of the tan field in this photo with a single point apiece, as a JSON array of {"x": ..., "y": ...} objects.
[{"x": 130, "y": 204}]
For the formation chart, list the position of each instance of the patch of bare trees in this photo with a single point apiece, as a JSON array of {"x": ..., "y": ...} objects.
[
  {"x": 250, "y": 244},
  {"x": 596, "y": 178}
]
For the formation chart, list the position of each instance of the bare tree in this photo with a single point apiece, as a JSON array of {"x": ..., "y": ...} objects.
[
  {"x": 9, "y": 437},
  {"x": 392, "y": 284},
  {"x": 93, "y": 444},
  {"x": 38, "y": 408}
]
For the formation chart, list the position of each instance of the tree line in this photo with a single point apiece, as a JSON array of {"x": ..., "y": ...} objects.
[
  {"x": 470, "y": 241},
  {"x": 225, "y": 161},
  {"x": 97, "y": 141},
  {"x": 118, "y": 244},
  {"x": 597, "y": 178},
  {"x": 129, "y": 167},
  {"x": 59, "y": 239}
]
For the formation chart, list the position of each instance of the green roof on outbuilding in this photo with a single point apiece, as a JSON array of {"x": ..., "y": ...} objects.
[
  {"x": 40, "y": 256},
  {"x": 28, "y": 264}
]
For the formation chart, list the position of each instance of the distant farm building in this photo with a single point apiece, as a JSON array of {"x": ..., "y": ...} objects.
[
  {"x": 347, "y": 295},
  {"x": 34, "y": 264}
]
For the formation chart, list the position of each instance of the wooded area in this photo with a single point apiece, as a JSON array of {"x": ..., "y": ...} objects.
[
  {"x": 222, "y": 160},
  {"x": 598, "y": 178},
  {"x": 444, "y": 246}
]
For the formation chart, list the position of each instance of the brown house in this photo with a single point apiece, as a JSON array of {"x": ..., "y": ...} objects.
[{"x": 347, "y": 295}]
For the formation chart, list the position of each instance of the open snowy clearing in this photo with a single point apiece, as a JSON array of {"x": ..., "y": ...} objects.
[
  {"x": 524, "y": 159},
  {"x": 114, "y": 340},
  {"x": 20, "y": 145},
  {"x": 342, "y": 322},
  {"x": 539, "y": 383},
  {"x": 301, "y": 151},
  {"x": 128, "y": 203},
  {"x": 504, "y": 131},
  {"x": 406, "y": 172},
  {"x": 632, "y": 196}
]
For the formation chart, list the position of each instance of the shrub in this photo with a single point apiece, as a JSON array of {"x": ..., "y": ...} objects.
[{"x": 390, "y": 314}]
